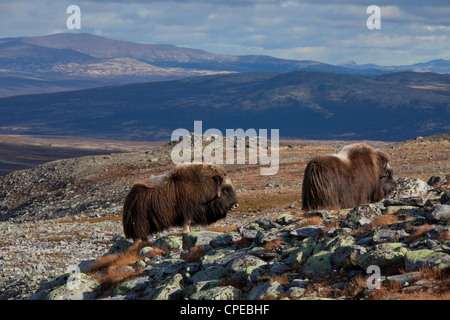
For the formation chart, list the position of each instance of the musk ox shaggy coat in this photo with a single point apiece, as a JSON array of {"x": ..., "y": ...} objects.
[
  {"x": 357, "y": 174},
  {"x": 190, "y": 194}
]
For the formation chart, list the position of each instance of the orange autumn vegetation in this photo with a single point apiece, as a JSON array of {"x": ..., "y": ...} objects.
[{"x": 111, "y": 270}]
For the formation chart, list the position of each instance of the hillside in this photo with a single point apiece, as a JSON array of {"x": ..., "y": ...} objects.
[
  {"x": 68, "y": 212},
  {"x": 21, "y": 152},
  {"x": 66, "y": 61},
  {"x": 71, "y": 61},
  {"x": 306, "y": 105}
]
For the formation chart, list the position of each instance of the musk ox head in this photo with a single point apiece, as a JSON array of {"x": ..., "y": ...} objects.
[{"x": 357, "y": 174}]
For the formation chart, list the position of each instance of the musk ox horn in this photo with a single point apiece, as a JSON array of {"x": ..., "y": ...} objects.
[{"x": 225, "y": 182}]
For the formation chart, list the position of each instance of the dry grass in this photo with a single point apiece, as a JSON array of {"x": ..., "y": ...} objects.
[
  {"x": 110, "y": 270},
  {"x": 322, "y": 289},
  {"x": 280, "y": 278},
  {"x": 330, "y": 226},
  {"x": 310, "y": 221},
  {"x": 419, "y": 232},
  {"x": 382, "y": 220},
  {"x": 218, "y": 228},
  {"x": 443, "y": 235},
  {"x": 270, "y": 245},
  {"x": 437, "y": 287},
  {"x": 243, "y": 242},
  {"x": 237, "y": 282},
  {"x": 265, "y": 202},
  {"x": 194, "y": 254}
]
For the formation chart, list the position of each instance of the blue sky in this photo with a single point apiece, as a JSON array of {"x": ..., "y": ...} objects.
[{"x": 327, "y": 31}]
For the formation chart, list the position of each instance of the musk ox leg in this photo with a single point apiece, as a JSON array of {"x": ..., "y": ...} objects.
[{"x": 187, "y": 226}]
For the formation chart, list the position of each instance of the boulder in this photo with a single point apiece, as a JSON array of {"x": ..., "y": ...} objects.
[
  {"x": 417, "y": 259},
  {"x": 266, "y": 290},
  {"x": 410, "y": 187},
  {"x": 386, "y": 256},
  {"x": 218, "y": 293},
  {"x": 75, "y": 286},
  {"x": 318, "y": 266},
  {"x": 363, "y": 215},
  {"x": 439, "y": 213}
]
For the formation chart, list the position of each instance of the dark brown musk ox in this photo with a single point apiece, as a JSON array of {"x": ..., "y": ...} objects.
[
  {"x": 189, "y": 194},
  {"x": 356, "y": 175}
]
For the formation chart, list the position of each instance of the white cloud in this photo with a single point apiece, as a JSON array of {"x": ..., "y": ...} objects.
[{"x": 317, "y": 30}]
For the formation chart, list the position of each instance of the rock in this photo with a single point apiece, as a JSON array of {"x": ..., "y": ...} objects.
[
  {"x": 246, "y": 268},
  {"x": 169, "y": 290},
  {"x": 132, "y": 289},
  {"x": 284, "y": 219},
  {"x": 317, "y": 213},
  {"x": 410, "y": 187},
  {"x": 436, "y": 182},
  {"x": 267, "y": 224},
  {"x": 266, "y": 291},
  {"x": 211, "y": 273},
  {"x": 445, "y": 197},
  {"x": 78, "y": 286},
  {"x": 412, "y": 201},
  {"x": 225, "y": 240},
  {"x": 146, "y": 251},
  {"x": 263, "y": 237},
  {"x": 218, "y": 293},
  {"x": 249, "y": 234},
  {"x": 363, "y": 215},
  {"x": 331, "y": 244},
  {"x": 404, "y": 279},
  {"x": 202, "y": 238},
  {"x": 307, "y": 232},
  {"x": 345, "y": 256},
  {"x": 295, "y": 260},
  {"x": 381, "y": 235},
  {"x": 243, "y": 262},
  {"x": 318, "y": 266},
  {"x": 417, "y": 259},
  {"x": 295, "y": 292},
  {"x": 278, "y": 268},
  {"x": 439, "y": 213},
  {"x": 200, "y": 286},
  {"x": 121, "y": 244},
  {"x": 386, "y": 256},
  {"x": 170, "y": 242}
]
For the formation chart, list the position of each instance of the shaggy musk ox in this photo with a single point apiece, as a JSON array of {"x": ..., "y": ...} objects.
[
  {"x": 357, "y": 174},
  {"x": 190, "y": 194}
]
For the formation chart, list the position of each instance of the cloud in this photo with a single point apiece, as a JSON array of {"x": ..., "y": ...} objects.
[{"x": 329, "y": 31}]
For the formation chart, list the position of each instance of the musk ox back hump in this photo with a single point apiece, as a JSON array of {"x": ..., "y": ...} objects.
[{"x": 357, "y": 174}]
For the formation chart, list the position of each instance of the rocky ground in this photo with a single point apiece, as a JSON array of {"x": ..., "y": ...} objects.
[{"x": 65, "y": 214}]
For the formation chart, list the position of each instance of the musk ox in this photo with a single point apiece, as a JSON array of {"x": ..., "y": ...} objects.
[
  {"x": 355, "y": 175},
  {"x": 189, "y": 194}
]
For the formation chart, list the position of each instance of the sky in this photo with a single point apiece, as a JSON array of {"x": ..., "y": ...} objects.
[{"x": 333, "y": 31}]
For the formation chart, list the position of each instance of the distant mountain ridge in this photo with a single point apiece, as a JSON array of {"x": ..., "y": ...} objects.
[
  {"x": 435, "y": 66},
  {"x": 72, "y": 61},
  {"x": 301, "y": 104}
]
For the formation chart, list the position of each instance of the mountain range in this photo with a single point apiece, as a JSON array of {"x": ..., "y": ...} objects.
[
  {"x": 301, "y": 104},
  {"x": 72, "y": 61}
]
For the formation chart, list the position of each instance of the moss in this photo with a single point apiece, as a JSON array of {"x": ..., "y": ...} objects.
[
  {"x": 218, "y": 293},
  {"x": 318, "y": 265},
  {"x": 418, "y": 259}
]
